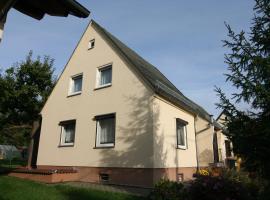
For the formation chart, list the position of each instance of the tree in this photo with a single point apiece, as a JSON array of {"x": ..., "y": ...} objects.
[
  {"x": 249, "y": 71},
  {"x": 24, "y": 88}
]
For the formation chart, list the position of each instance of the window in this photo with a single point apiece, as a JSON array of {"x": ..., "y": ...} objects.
[
  {"x": 76, "y": 85},
  {"x": 91, "y": 44},
  {"x": 104, "y": 76},
  {"x": 67, "y": 132},
  {"x": 105, "y": 136},
  {"x": 181, "y": 133},
  {"x": 104, "y": 177},
  {"x": 180, "y": 177}
]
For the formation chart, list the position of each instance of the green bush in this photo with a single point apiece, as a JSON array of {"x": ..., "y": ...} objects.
[
  {"x": 230, "y": 185},
  {"x": 168, "y": 190},
  {"x": 221, "y": 188},
  {"x": 264, "y": 192},
  {"x": 253, "y": 185}
]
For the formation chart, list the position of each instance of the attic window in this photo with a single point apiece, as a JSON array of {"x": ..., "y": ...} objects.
[{"x": 91, "y": 44}]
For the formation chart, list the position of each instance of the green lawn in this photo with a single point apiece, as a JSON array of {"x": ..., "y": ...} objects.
[{"x": 14, "y": 188}]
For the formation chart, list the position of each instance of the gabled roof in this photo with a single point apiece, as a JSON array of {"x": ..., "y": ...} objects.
[
  {"x": 217, "y": 125},
  {"x": 222, "y": 112},
  {"x": 158, "y": 82}
]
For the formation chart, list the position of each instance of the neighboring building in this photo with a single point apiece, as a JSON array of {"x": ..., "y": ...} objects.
[
  {"x": 225, "y": 149},
  {"x": 214, "y": 148},
  {"x": 116, "y": 118},
  {"x": 9, "y": 152}
]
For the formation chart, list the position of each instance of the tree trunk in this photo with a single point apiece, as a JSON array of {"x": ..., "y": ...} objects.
[{"x": 33, "y": 146}]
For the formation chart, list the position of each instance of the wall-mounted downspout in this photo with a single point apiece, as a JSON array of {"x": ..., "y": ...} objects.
[{"x": 197, "y": 156}]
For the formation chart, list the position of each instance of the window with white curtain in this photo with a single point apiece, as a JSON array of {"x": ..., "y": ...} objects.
[
  {"x": 76, "y": 84},
  {"x": 181, "y": 133},
  {"x": 67, "y": 132},
  {"x": 105, "y": 136},
  {"x": 104, "y": 76}
]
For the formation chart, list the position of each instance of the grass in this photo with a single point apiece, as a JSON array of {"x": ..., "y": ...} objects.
[{"x": 14, "y": 188}]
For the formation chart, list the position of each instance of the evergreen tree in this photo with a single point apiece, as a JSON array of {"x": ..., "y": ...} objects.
[{"x": 249, "y": 71}]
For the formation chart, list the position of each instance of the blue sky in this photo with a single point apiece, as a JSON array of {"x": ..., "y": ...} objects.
[{"x": 182, "y": 38}]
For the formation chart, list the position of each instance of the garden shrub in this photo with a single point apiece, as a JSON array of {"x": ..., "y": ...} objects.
[
  {"x": 221, "y": 188},
  {"x": 264, "y": 193},
  {"x": 253, "y": 185},
  {"x": 168, "y": 190},
  {"x": 230, "y": 185}
]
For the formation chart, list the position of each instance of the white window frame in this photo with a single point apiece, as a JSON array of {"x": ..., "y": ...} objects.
[
  {"x": 184, "y": 124},
  {"x": 98, "y": 144},
  {"x": 91, "y": 44},
  {"x": 71, "y": 85},
  {"x": 98, "y": 76},
  {"x": 63, "y": 133}
]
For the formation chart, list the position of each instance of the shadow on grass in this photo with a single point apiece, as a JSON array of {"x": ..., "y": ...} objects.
[{"x": 71, "y": 193}]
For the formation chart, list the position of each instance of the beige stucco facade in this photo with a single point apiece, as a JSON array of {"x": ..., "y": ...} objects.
[
  {"x": 166, "y": 153},
  {"x": 128, "y": 97},
  {"x": 204, "y": 132}
]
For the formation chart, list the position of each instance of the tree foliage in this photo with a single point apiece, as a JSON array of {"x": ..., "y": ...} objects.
[
  {"x": 249, "y": 71},
  {"x": 24, "y": 89}
]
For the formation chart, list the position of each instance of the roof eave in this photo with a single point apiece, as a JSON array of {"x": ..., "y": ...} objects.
[{"x": 81, "y": 11}]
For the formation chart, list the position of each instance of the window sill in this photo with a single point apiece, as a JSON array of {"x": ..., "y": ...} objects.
[
  {"x": 103, "y": 86},
  {"x": 66, "y": 145},
  {"x": 181, "y": 147},
  {"x": 104, "y": 147},
  {"x": 74, "y": 94}
]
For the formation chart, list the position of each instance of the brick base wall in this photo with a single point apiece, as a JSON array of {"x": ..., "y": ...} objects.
[
  {"x": 47, "y": 178},
  {"x": 141, "y": 177}
]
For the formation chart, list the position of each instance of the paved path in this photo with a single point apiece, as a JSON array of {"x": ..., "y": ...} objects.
[{"x": 112, "y": 188}]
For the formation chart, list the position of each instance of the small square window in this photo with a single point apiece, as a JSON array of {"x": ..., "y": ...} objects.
[
  {"x": 91, "y": 44},
  {"x": 105, "y": 136},
  {"x": 180, "y": 177},
  {"x": 67, "y": 132},
  {"x": 104, "y": 177},
  {"x": 76, "y": 85},
  {"x": 181, "y": 134},
  {"x": 104, "y": 77}
]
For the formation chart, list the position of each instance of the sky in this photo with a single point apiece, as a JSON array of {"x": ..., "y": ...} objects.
[{"x": 182, "y": 38}]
